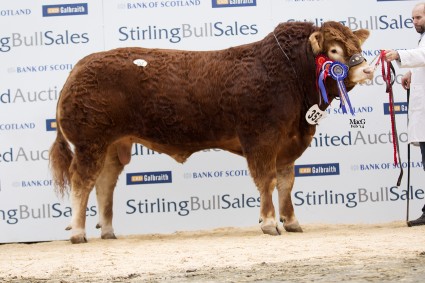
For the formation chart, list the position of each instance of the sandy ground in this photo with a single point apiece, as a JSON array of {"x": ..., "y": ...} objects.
[{"x": 389, "y": 252}]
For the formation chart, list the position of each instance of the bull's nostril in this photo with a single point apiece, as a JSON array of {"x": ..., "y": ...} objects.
[{"x": 368, "y": 70}]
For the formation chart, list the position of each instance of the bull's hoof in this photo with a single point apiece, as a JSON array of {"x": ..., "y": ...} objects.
[
  {"x": 108, "y": 236},
  {"x": 98, "y": 226},
  {"x": 294, "y": 227},
  {"x": 270, "y": 230},
  {"x": 78, "y": 239},
  {"x": 269, "y": 226},
  {"x": 69, "y": 227}
]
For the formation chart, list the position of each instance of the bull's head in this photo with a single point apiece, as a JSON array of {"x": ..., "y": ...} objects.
[{"x": 341, "y": 44}]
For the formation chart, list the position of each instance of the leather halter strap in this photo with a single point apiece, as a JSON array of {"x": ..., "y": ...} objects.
[{"x": 355, "y": 60}]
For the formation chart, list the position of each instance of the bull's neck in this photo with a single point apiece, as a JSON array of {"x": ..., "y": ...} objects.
[{"x": 294, "y": 58}]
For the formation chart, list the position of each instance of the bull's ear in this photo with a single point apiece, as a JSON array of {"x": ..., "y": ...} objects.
[
  {"x": 316, "y": 42},
  {"x": 362, "y": 35}
]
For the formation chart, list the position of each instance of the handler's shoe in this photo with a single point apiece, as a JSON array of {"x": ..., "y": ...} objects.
[{"x": 417, "y": 222}]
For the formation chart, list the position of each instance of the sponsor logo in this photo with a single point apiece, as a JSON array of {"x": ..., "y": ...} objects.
[
  {"x": 355, "y": 138},
  {"x": 51, "y": 125},
  {"x": 177, "y": 34},
  {"x": 159, "y": 4},
  {"x": 23, "y": 155},
  {"x": 357, "y": 110},
  {"x": 65, "y": 10},
  {"x": 216, "y": 174},
  {"x": 15, "y": 12},
  {"x": 40, "y": 68},
  {"x": 372, "y": 22},
  {"x": 144, "y": 178},
  {"x": 357, "y": 123},
  {"x": 20, "y": 95},
  {"x": 42, "y": 38},
  {"x": 17, "y": 126},
  {"x": 192, "y": 204},
  {"x": 354, "y": 198},
  {"x": 385, "y": 166},
  {"x": 233, "y": 3},
  {"x": 382, "y": 22},
  {"x": 399, "y": 108},
  {"x": 25, "y": 212},
  {"x": 32, "y": 183},
  {"x": 308, "y": 170}
]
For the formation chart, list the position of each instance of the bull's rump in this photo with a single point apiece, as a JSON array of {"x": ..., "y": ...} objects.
[{"x": 180, "y": 97}]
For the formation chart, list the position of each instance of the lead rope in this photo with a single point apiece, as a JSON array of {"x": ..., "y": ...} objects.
[
  {"x": 408, "y": 162},
  {"x": 386, "y": 75}
]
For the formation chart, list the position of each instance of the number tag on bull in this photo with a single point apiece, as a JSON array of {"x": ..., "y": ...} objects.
[{"x": 314, "y": 115}]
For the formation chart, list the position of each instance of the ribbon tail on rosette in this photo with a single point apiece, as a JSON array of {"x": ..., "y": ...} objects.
[
  {"x": 339, "y": 72},
  {"x": 322, "y": 88},
  {"x": 322, "y": 72}
]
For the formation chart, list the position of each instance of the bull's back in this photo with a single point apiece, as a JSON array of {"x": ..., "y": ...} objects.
[{"x": 178, "y": 97}]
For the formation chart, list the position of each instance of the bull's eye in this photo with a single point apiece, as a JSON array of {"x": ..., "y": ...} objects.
[{"x": 335, "y": 52}]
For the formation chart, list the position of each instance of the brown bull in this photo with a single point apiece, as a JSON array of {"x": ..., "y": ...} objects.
[{"x": 250, "y": 100}]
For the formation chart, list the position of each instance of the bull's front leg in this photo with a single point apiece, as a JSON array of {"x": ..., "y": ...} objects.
[
  {"x": 285, "y": 182},
  {"x": 268, "y": 221}
]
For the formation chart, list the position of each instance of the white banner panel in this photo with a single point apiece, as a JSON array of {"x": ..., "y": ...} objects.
[{"x": 346, "y": 176}]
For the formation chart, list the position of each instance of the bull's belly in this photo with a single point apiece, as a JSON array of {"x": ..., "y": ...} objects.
[{"x": 180, "y": 152}]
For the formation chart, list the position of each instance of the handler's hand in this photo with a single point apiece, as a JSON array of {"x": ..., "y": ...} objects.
[
  {"x": 405, "y": 80},
  {"x": 391, "y": 55}
]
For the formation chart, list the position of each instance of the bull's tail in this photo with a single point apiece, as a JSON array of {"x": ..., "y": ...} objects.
[{"x": 60, "y": 157}]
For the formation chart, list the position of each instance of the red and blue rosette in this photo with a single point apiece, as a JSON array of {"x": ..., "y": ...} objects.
[
  {"x": 339, "y": 72},
  {"x": 322, "y": 71}
]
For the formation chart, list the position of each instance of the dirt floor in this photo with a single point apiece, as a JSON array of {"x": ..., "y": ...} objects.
[{"x": 323, "y": 253}]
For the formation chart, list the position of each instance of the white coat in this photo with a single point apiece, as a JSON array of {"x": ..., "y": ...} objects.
[{"x": 415, "y": 60}]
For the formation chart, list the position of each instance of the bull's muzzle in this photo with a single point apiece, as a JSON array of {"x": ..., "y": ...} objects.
[{"x": 361, "y": 71}]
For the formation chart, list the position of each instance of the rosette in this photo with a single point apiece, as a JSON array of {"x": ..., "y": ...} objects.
[
  {"x": 339, "y": 72},
  {"x": 322, "y": 72}
]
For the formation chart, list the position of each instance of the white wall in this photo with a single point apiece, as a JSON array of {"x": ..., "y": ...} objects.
[{"x": 37, "y": 53}]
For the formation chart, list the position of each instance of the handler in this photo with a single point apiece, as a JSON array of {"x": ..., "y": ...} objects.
[{"x": 414, "y": 80}]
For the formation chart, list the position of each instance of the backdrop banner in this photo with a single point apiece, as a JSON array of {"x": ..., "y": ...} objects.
[{"x": 347, "y": 175}]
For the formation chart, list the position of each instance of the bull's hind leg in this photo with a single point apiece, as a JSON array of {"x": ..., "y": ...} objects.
[
  {"x": 262, "y": 167},
  {"x": 85, "y": 167},
  {"x": 118, "y": 155},
  {"x": 285, "y": 182}
]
